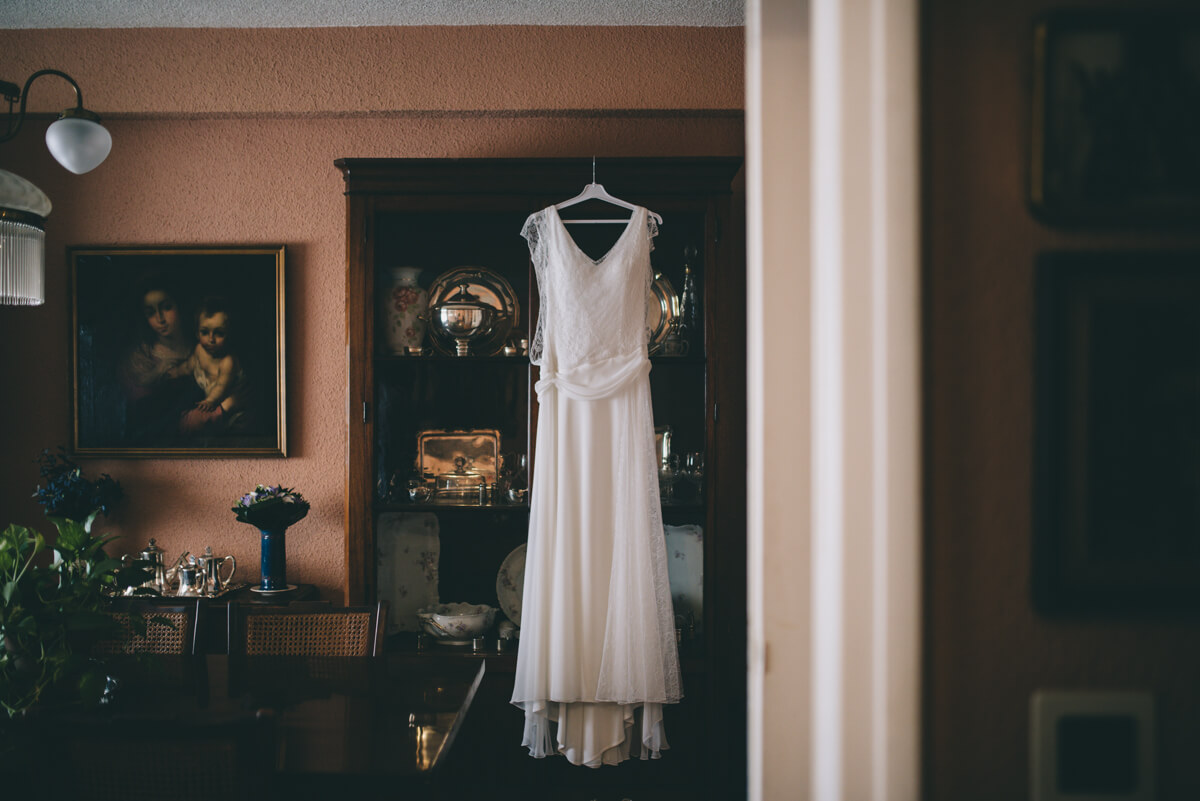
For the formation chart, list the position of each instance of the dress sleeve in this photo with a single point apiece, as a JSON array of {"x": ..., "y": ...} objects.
[{"x": 532, "y": 231}]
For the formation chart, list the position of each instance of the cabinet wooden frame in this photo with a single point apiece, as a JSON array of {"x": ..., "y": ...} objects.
[{"x": 685, "y": 191}]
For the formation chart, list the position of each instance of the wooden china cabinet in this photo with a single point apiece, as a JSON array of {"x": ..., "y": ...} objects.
[{"x": 439, "y": 215}]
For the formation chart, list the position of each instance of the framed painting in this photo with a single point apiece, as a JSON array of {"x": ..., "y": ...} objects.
[
  {"x": 178, "y": 352},
  {"x": 1116, "y": 117},
  {"x": 1117, "y": 446}
]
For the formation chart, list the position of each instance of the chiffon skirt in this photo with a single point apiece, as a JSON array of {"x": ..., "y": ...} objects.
[{"x": 597, "y": 658}]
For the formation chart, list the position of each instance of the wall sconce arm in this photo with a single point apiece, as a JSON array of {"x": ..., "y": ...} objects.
[{"x": 12, "y": 94}]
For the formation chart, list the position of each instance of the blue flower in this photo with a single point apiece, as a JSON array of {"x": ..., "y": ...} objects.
[{"x": 68, "y": 494}]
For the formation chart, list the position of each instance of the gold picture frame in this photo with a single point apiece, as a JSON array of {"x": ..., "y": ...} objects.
[{"x": 178, "y": 352}]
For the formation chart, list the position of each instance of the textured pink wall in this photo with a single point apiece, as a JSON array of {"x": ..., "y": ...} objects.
[
  {"x": 230, "y": 137},
  {"x": 337, "y": 70}
]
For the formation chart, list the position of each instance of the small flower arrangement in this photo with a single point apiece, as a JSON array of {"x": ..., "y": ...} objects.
[
  {"x": 271, "y": 507},
  {"x": 68, "y": 495}
]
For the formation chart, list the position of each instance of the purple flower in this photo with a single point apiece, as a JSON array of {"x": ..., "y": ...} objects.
[{"x": 271, "y": 507}]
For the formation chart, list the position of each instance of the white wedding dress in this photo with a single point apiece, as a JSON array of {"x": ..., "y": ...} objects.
[{"x": 597, "y": 656}]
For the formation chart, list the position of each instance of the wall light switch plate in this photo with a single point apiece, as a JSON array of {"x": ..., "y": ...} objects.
[{"x": 1092, "y": 746}]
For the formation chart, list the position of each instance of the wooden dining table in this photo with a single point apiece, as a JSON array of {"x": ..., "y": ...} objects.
[{"x": 337, "y": 724}]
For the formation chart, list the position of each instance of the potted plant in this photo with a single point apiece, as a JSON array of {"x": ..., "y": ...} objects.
[{"x": 52, "y": 604}]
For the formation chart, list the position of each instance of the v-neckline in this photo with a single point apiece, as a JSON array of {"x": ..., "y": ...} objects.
[{"x": 562, "y": 226}]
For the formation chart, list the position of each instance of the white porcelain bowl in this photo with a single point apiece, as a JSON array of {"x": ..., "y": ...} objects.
[{"x": 456, "y": 621}]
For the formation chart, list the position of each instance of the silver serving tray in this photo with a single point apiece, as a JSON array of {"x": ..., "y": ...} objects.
[
  {"x": 437, "y": 449},
  {"x": 173, "y": 592},
  {"x": 663, "y": 308}
]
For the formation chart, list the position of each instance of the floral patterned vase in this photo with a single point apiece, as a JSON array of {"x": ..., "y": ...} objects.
[{"x": 403, "y": 311}]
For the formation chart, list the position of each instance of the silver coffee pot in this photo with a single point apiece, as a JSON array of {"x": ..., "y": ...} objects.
[
  {"x": 210, "y": 568},
  {"x": 154, "y": 555}
]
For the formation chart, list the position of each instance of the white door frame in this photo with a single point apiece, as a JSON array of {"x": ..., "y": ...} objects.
[{"x": 834, "y": 463}]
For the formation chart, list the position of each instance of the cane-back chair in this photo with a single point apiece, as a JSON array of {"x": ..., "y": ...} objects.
[{"x": 302, "y": 631}]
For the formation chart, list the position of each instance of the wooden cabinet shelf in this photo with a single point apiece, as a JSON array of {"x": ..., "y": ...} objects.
[
  {"x": 682, "y": 507},
  {"x": 444, "y": 507},
  {"x": 518, "y": 362},
  {"x": 677, "y": 360}
]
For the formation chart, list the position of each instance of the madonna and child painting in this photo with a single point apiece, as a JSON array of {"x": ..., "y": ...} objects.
[{"x": 178, "y": 352}]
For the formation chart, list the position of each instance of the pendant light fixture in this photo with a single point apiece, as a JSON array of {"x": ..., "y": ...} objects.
[{"x": 78, "y": 142}]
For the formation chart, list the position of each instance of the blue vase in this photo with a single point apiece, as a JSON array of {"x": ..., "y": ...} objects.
[{"x": 274, "y": 559}]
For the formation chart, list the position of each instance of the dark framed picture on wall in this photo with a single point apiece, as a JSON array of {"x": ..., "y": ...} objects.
[
  {"x": 1116, "y": 117},
  {"x": 1117, "y": 445},
  {"x": 178, "y": 352}
]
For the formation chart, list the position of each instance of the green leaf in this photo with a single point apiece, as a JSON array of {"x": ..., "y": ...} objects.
[
  {"x": 163, "y": 621},
  {"x": 72, "y": 537},
  {"x": 100, "y": 542},
  {"x": 10, "y": 587},
  {"x": 91, "y": 685},
  {"x": 16, "y": 535},
  {"x": 106, "y": 566},
  {"x": 17, "y": 546}
]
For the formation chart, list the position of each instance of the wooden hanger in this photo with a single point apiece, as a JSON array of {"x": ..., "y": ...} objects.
[{"x": 595, "y": 191}]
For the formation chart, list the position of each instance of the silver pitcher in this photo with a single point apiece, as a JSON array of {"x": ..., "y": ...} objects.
[{"x": 210, "y": 568}]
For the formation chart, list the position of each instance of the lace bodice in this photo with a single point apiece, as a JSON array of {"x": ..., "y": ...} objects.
[{"x": 591, "y": 309}]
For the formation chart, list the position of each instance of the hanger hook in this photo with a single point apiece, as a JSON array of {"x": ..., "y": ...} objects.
[{"x": 593, "y": 169}]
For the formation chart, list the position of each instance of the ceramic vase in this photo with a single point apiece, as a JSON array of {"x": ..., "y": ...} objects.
[
  {"x": 403, "y": 311},
  {"x": 274, "y": 559}
]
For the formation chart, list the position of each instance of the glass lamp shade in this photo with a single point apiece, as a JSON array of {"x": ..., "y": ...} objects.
[
  {"x": 77, "y": 143},
  {"x": 23, "y": 210}
]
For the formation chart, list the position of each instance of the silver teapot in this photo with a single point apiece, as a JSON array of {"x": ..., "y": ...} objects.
[{"x": 210, "y": 568}]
